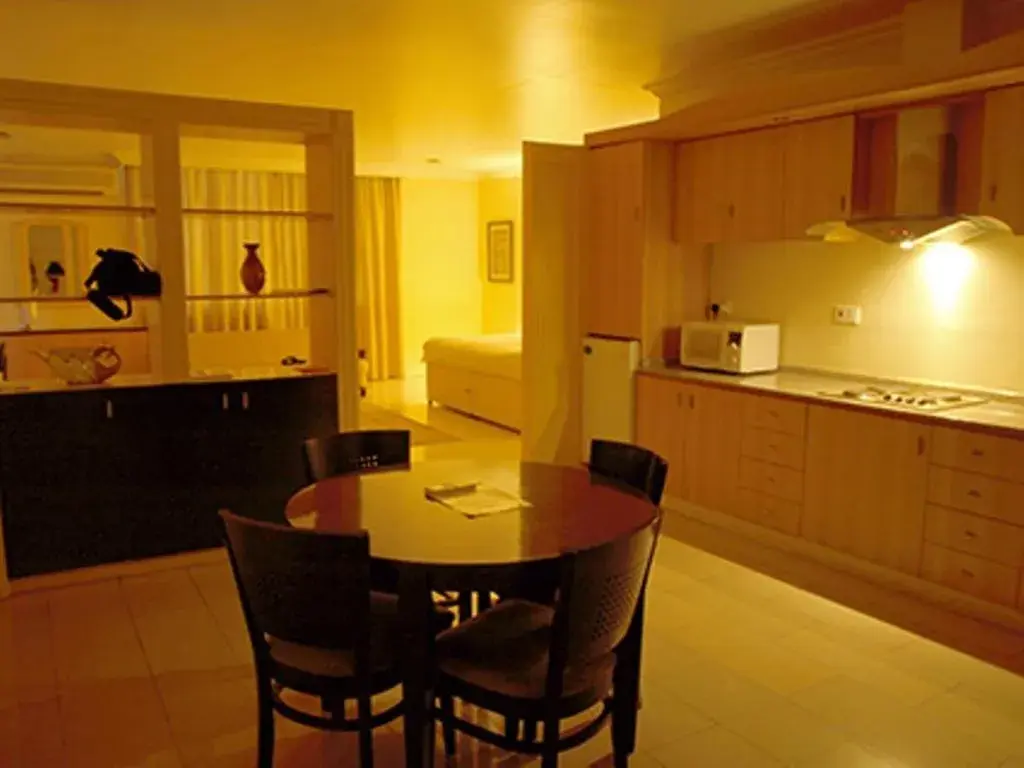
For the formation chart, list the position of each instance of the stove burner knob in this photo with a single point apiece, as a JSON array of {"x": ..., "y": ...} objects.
[
  {"x": 909, "y": 401},
  {"x": 887, "y": 397}
]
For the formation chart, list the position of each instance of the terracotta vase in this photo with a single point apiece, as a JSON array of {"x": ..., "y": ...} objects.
[{"x": 252, "y": 273}]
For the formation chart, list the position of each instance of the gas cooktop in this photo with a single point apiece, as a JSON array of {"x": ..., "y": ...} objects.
[{"x": 906, "y": 399}]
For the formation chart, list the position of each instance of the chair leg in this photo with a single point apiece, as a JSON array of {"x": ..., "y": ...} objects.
[
  {"x": 265, "y": 738},
  {"x": 465, "y": 605},
  {"x": 549, "y": 753},
  {"x": 447, "y": 724},
  {"x": 365, "y": 714},
  {"x": 624, "y": 722}
]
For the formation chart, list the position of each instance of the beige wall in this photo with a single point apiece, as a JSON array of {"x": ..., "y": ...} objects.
[
  {"x": 953, "y": 314},
  {"x": 439, "y": 277},
  {"x": 502, "y": 309}
]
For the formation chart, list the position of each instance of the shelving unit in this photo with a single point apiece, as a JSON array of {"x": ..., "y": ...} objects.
[
  {"x": 159, "y": 214},
  {"x": 299, "y": 294},
  {"x": 241, "y": 213},
  {"x": 61, "y": 299},
  {"x": 74, "y": 208},
  {"x": 74, "y": 331}
]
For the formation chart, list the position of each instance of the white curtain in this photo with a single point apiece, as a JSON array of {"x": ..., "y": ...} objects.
[{"x": 378, "y": 248}]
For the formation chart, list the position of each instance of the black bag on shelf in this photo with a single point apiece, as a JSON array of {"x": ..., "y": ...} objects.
[{"x": 120, "y": 274}]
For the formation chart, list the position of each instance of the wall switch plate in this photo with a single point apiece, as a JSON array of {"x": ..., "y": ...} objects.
[{"x": 846, "y": 314}]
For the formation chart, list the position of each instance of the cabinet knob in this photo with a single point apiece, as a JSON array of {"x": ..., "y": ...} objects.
[
  {"x": 693, "y": 402},
  {"x": 977, "y": 452},
  {"x": 732, "y": 210},
  {"x": 245, "y": 401},
  {"x": 842, "y": 203},
  {"x": 970, "y": 534},
  {"x": 920, "y": 446},
  {"x": 993, "y": 193},
  {"x": 966, "y": 573},
  {"x": 225, "y": 402},
  {"x": 110, "y": 409},
  {"x": 974, "y": 494}
]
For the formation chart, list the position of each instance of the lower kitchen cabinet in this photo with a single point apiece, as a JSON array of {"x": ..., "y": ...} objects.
[
  {"x": 866, "y": 484},
  {"x": 102, "y": 476},
  {"x": 697, "y": 430}
]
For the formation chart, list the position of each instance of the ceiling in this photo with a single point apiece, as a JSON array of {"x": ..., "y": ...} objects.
[{"x": 464, "y": 81}]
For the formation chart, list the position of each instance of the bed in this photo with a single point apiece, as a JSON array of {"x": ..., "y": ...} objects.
[{"x": 479, "y": 376}]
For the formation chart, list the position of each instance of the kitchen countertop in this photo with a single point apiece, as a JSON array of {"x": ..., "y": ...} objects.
[{"x": 1003, "y": 411}]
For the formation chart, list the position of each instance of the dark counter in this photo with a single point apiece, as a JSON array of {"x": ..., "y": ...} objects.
[{"x": 109, "y": 475}]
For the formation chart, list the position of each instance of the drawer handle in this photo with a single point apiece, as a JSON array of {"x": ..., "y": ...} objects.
[
  {"x": 773, "y": 414},
  {"x": 966, "y": 573},
  {"x": 974, "y": 494},
  {"x": 977, "y": 452},
  {"x": 110, "y": 409},
  {"x": 772, "y": 447},
  {"x": 970, "y": 534},
  {"x": 245, "y": 401},
  {"x": 224, "y": 402}
]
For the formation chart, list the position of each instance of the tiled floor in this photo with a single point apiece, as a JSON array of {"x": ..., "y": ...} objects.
[{"x": 740, "y": 671}]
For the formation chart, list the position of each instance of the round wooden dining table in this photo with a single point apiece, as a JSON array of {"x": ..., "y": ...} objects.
[{"x": 434, "y": 547}]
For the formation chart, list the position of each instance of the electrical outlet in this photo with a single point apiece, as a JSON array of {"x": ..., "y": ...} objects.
[{"x": 846, "y": 314}]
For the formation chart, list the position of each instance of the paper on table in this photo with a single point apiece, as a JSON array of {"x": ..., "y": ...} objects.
[{"x": 480, "y": 501}]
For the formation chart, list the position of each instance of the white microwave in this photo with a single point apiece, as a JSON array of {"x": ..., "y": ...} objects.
[{"x": 730, "y": 347}]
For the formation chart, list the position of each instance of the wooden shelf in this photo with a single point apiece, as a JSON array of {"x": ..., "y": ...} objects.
[
  {"x": 307, "y": 215},
  {"x": 304, "y": 294},
  {"x": 122, "y": 210},
  {"x": 62, "y": 299},
  {"x": 73, "y": 331}
]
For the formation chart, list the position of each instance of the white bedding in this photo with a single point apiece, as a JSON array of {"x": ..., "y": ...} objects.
[{"x": 495, "y": 355}]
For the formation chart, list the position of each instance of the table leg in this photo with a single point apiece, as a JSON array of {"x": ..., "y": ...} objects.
[{"x": 414, "y": 605}]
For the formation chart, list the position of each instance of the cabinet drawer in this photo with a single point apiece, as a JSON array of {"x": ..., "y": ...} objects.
[
  {"x": 775, "y": 414},
  {"x": 994, "y": 456},
  {"x": 769, "y": 511},
  {"x": 982, "y": 495},
  {"x": 771, "y": 479},
  {"x": 773, "y": 447},
  {"x": 979, "y": 536},
  {"x": 981, "y": 578}
]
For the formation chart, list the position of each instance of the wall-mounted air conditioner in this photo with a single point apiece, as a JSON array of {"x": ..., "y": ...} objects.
[{"x": 43, "y": 182}]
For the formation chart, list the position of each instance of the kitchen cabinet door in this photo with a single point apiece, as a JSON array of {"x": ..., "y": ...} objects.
[
  {"x": 703, "y": 191},
  {"x": 660, "y": 422},
  {"x": 865, "y": 486},
  {"x": 755, "y": 166},
  {"x": 713, "y": 435},
  {"x": 818, "y": 173},
  {"x": 613, "y": 260},
  {"x": 729, "y": 188},
  {"x": 1002, "y": 187}
]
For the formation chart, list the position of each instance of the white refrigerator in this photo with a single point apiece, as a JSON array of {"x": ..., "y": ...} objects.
[{"x": 608, "y": 389}]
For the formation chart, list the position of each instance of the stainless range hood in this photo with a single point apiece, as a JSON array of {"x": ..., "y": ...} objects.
[
  {"x": 918, "y": 154},
  {"x": 910, "y": 231}
]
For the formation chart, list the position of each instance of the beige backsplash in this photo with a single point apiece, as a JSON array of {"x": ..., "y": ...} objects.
[{"x": 944, "y": 316}]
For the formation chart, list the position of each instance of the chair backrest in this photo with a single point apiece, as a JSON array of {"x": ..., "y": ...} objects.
[
  {"x": 631, "y": 465},
  {"x": 298, "y": 585},
  {"x": 598, "y": 596},
  {"x": 351, "y": 452}
]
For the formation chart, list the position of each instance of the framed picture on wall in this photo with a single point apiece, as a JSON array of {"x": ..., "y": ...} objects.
[{"x": 500, "y": 252}]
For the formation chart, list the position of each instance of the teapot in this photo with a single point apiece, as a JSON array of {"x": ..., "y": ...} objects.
[{"x": 82, "y": 365}]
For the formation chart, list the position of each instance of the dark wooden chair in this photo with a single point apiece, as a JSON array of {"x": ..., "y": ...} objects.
[
  {"x": 315, "y": 627},
  {"x": 631, "y": 465},
  {"x": 350, "y": 452},
  {"x": 528, "y": 661},
  {"x": 365, "y": 451}
]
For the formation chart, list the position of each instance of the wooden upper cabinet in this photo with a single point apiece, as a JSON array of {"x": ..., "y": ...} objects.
[
  {"x": 865, "y": 485},
  {"x": 729, "y": 188},
  {"x": 819, "y": 173},
  {"x": 1002, "y": 184},
  {"x": 612, "y": 262}
]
